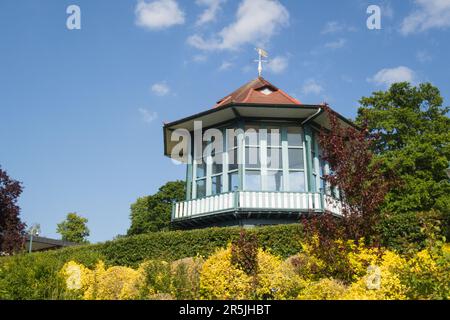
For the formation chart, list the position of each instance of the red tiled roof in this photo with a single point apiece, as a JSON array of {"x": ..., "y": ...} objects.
[{"x": 258, "y": 91}]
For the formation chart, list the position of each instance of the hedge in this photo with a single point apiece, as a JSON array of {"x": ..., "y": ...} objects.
[
  {"x": 282, "y": 240},
  {"x": 34, "y": 276}
]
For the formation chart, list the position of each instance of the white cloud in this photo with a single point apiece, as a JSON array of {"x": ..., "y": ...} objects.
[
  {"x": 225, "y": 66},
  {"x": 277, "y": 64},
  {"x": 200, "y": 58},
  {"x": 340, "y": 43},
  {"x": 209, "y": 14},
  {"x": 423, "y": 56},
  {"x": 158, "y": 14},
  {"x": 311, "y": 86},
  {"x": 256, "y": 22},
  {"x": 160, "y": 89},
  {"x": 387, "y": 77},
  {"x": 429, "y": 14},
  {"x": 336, "y": 27},
  {"x": 147, "y": 115},
  {"x": 386, "y": 10}
]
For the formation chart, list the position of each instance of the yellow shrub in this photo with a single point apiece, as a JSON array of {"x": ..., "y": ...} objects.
[
  {"x": 115, "y": 283},
  {"x": 275, "y": 279},
  {"x": 219, "y": 279},
  {"x": 76, "y": 275},
  {"x": 324, "y": 289},
  {"x": 380, "y": 282},
  {"x": 427, "y": 274},
  {"x": 360, "y": 257}
]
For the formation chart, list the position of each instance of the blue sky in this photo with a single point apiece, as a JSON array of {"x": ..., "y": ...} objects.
[{"x": 81, "y": 111}]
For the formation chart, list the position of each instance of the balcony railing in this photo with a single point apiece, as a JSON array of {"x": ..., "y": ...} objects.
[{"x": 255, "y": 201}]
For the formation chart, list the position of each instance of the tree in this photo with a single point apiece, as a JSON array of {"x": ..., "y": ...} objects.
[
  {"x": 152, "y": 213},
  {"x": 73, "y": 228},
  {"x": 11, "y": 227},
  {"x": 414, "y": 142},
  {"x": 356, "y": 173}
]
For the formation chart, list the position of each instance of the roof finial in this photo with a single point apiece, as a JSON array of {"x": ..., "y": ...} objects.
[{"x": 261, "y": 54}]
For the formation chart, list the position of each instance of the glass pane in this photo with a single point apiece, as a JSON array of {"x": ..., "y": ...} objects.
[
  {"x": 201, "y": 169},
  {"x": 217, "y": 163},
  {"x": 201, "y": 188},
  {"x": 295, "y": 159},
  {"x": 297, "y": 181},
  {"x": 274, "y": 180},
  {"x": 253, "y": 180},
  {"x": 216, "y": 184},
  {"x": 321, "y": 168},
  {"x": 233, "y": 159},
  {"x": 232, "y": 138},
  {"x": 252, "y": 159},
  {"x": 274, "y": 158},
  {"x": 251, "y": 135},
  {"x": 233, "y": 181},
  {"x": 294, "y": 136},
  {"x": 322, "y": 185},
  {"x": 273, "y": 136}
]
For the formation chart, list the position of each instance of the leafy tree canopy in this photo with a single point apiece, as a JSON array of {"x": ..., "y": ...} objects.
[
  {"x": 74, "y": 228},
  {"x": 152, "y": 213},
  {"x": 11, "y": 227},
  {"x": 413, "y": 132}
]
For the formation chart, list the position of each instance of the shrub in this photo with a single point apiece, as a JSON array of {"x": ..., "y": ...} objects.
[
  {"x": 220, "y": 279},
  {"x": 324, "y": 289},
  {"x": 244, "y": 253},
  {"x": 274, "y": 279},
  {"x": 427, "y": 275},
  {"x": 185, "y": 282},
  {"x": 157, "y": 277},
  {"x": 403, "y": 232},
  {"x": 101, "y": 283},
  {"x": 30, "y": 277}
]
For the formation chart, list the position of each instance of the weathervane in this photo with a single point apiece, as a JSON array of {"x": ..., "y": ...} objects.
[{"x": 261, "y": 54}]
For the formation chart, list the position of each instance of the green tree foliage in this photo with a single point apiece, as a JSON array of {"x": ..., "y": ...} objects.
[
  {"x": 152, "y": 213},
  {"x": 74, "y": 228},
  {"x": 413, "y": 132}
]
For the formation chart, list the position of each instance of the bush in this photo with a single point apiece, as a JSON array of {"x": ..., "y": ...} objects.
[
  {"x": 38, "y": 270},
  {"x": 30, "y": 277},
  {"x": 185, "y": 282},
  {"x": 403, "y": 232},
  {"x": 221, "y": 279},
  {"x": 324, "y": 289}
]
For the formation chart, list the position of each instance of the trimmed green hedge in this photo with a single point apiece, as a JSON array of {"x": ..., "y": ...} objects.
[
  {"x": 35, "y": 275},
  {"x": 283, "y": 240}
]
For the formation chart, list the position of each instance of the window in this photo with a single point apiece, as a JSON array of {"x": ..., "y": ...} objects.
[
  {"x": 201, "y": 169},
  {"x": 216, "y": 185},
  {"x": 201, "y": 188},
  {"x": 297, "y": 181},
  {"x": 273, "y": 136},
  {"x": 252, "y": 157},
  {"x": 253, "y": 180},
  {"x": 296, "y": 161},
  {"x": 295, "y": 157},
  {"x": 294, "y": 136},
  {"x": 274, "y": 157},
  {"x": 274, "y": 180},
  {"x": 273, "y": 161},
  {"x": 233, "y": 159},
  {"x": 233, "y": 181}
]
